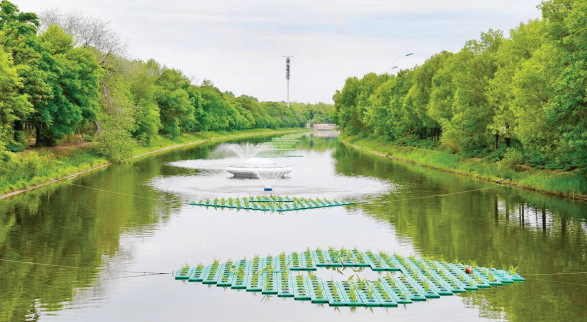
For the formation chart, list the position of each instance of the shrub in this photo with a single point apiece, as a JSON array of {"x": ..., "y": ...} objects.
[
  {"x": 511, "y": 158},
  {"x": 31, "y": 164}
]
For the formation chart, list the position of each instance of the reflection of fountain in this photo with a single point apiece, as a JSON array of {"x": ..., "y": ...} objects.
[{"x": 269, "y": 178}]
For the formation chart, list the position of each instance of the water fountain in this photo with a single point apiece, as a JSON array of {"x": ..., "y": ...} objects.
[
  {"x": 245, "y": 151},
  {"x": 264, "y": 169},
  {"x": 252, "y": 167}
]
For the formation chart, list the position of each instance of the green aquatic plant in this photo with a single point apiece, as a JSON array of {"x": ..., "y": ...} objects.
[
  {"x": 352, "y": 292},
  {"x": 513, "y": 270},
  {"x": 426, "y": 286},
  {"x": 295, "y": 260},
  {"x": 319, "y": 292},
  {"x": 185, "y": 268},
  {"x": 309, "y": 260},
  {"x": 382, "y": 291}
]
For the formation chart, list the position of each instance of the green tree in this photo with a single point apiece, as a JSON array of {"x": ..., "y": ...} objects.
[
  {"x": 74, "y": 80},
  {"x": 143, "y": 87},
  {"x": 442, "y": 96},
  {"x": 20, "y": 41},
  {"x": 472, "y": 113},
  {"x": 177, "y": 112},
  {"x": 565, "y": 28},
  {"x": 421, "y": 92},
  {"x": 14, "y": 105},
  {"x": 520, "y": 47}
]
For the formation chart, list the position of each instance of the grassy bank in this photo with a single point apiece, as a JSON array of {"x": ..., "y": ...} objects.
[
  {"x": 568, "y": 184},
  {"x": 39, "y": 167}
]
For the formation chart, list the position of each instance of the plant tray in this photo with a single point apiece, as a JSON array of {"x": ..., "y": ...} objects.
[
  {"x": 416, "y": 279},
  {"x": 270, "y": 203},
  {"x": 301, "y": 289}
]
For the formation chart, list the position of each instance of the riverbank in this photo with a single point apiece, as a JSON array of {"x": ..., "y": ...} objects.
[
  {"x": 30, "y": 171},
  {"x": 567, "y": 184}
]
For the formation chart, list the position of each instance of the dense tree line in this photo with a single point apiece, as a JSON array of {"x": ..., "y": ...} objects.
[
  {"x": 522, "y": 97},
  {"x": 65, "y": 74}
]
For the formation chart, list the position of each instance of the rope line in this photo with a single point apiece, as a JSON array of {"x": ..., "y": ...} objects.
[
  {"x": 447, "y": 194},
  {"x": 86, "y": 268},
  {"x": 549, "y": 274},
  {"x": 576, "y": 284},
  {"x": 108, "y": 191}
]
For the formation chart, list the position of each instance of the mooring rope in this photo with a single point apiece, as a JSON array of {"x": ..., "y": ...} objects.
[
  {"x": 108, "y": 191},
  {"x": 447, "y": 194},
  {"x": 83, "y": 268},
  {"x": 576, "y": 284},
  {"x": 548, "y": 274},
  {"x": 102, "y": 190}
]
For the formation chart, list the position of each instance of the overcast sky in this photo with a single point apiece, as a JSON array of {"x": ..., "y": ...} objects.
[{"x": 239, "y": 44}]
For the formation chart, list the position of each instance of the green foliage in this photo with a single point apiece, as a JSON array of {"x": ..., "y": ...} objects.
[
  {"x": 526, "y": 91},
  {"x": 486, "y": 168},
  {"x": 511, "y": 158},
  {"x": 13, "y": 105},
  {"x": 177, "y": 112},
  {"x": 115, "y": 144},
  {"x": 565, "y": 24},
  {"x": 74, "y": 82},
  {"x": 31, "y": 164},
  {"x": 70, "y": 76}
]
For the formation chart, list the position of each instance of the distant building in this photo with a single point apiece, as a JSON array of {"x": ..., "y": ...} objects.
[{"x": 324, "y": 127}]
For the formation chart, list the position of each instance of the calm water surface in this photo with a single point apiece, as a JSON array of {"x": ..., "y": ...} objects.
[{"x": 114, "y": 237}]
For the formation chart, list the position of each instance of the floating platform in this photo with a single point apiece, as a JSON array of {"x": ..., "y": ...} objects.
[
  {"x": 270, "y": 203},
  {"x": 403, "y": 280}
]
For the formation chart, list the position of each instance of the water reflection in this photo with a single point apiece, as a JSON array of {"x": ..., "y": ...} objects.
[{"x": 108, "y": 234}]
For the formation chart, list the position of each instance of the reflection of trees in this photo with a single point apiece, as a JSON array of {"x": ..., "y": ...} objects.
[
  {"x": 317, "y": 144},
  {"x": 538, "y": 233},
  {"x": 72, "y": 226}
]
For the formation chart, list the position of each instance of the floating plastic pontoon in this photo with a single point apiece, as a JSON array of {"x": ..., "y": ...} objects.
[
  {"x": 271, "y": 203},
  {"x": 403, "y": 279}
]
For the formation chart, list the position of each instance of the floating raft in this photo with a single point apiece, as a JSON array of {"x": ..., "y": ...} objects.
[
  {"x": 279, "y": 145},
  {"x": 416, "y": 279},
  {"x": 270, "y": 203}
]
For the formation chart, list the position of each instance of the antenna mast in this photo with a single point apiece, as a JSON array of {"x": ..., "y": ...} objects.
[{"x": 287, "y": 63}]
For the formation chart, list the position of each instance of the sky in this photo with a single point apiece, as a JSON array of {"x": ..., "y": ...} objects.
[{"x": 239, "y": 44}]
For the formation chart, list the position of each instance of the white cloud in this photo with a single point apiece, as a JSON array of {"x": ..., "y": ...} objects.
[{"x": 238, "y": 44}]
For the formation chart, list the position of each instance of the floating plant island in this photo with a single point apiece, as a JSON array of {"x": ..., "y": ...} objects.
[
  {"x": 403, "y": 279},
  {"x": 270, "y": 203}
]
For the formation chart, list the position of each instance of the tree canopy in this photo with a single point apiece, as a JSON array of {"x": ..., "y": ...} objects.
[
  {"x": 64, "y": 74},
  {"x": 526, "y": 92}
]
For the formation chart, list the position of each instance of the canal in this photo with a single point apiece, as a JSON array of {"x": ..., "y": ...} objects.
[{"x": 108, "y": 234}]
